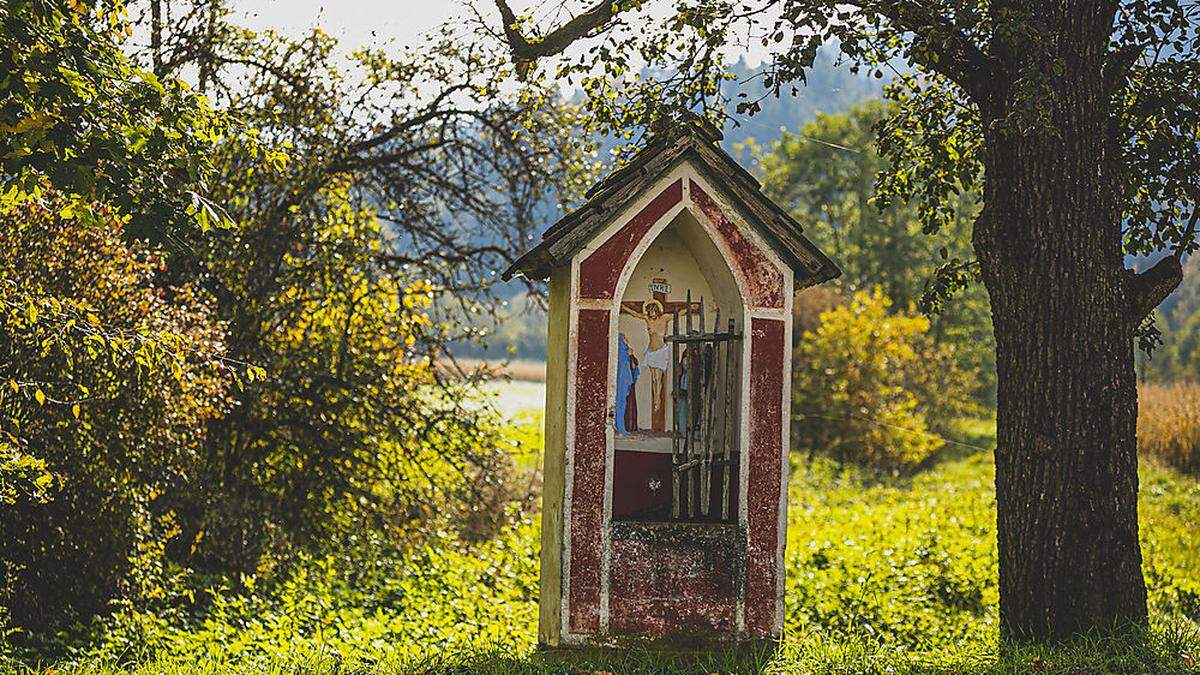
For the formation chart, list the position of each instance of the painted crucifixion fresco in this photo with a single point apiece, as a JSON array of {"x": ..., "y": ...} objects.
[{"x": 657, "y": 312}]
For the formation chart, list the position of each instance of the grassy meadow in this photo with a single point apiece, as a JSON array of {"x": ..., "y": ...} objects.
[{"x": 884, "y": 574}]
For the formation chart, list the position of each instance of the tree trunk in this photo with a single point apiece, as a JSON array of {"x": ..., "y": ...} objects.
[{"x": 1049, "y": 244}]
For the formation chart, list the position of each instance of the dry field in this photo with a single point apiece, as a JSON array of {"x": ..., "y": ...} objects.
[
  {"x": 521, "y": 371},
  {"x": 1169, "y": 425}
]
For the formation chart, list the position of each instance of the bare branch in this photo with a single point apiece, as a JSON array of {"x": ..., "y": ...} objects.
[{"x": 525, "y": 51}]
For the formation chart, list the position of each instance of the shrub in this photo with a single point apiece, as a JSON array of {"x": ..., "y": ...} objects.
[
  {"x": 1168, "y": 429},
  {"x": 107, "y": 379},
  {"x": 868, "y": 383}
]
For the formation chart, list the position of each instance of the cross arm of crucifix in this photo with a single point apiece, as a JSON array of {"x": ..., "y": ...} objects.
[{"x": 637, "y": 307}]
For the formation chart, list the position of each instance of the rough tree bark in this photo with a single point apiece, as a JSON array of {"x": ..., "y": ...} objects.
[{"x": 1065, "y": 310}]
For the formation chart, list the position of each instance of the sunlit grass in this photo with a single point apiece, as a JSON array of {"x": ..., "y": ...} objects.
[{"x": 885, "y": 574}]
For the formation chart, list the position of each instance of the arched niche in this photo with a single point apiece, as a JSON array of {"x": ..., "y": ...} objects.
[{"x": 681, "y": 261}]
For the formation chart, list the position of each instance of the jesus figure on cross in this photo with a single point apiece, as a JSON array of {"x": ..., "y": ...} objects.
[{"x": 657, "y": 313}]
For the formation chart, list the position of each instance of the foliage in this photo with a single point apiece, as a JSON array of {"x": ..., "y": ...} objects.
[
  {"x": 369, "y": 225},
  {"x": 108, "y": 376},
  {"x": 1169, "y": 425},
  {"x": 895, "y": 576},
  {"x": 75, "y": 112},
  {"x": 361, "y": 211},
  {"x": 1179, "y": 358},
  {"x": 947, "y": 59},
  {"x": 517, "y": 330},
  {"x": 868, "y": 382},
  {"x": 825, "y": 173},
  {"x": 808, "y": 306}
]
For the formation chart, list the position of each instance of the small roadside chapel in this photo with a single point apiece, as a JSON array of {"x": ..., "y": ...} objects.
[{"x": 667, "y": 398}]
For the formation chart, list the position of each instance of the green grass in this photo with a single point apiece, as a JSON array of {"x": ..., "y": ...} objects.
[{"x": 884, "y": 575}]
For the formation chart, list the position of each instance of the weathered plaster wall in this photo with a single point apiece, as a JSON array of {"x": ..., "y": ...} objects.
[
  {"x": 588, "y": 466},
  {"x": 765, "y": 457},
  {"x": 604, "y": 576},
  {"x": 601, "y": 269},
  {"x": 670, "y": 578},
  {"x": 763, "y": 278}
]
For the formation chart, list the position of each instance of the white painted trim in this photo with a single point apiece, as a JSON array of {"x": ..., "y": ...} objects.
[
  {"x": 744, "y": 457},
  {"x": 619, "y": 220},
  {"x": 750, "y": 313},
  {"x": 746, "y": 229},
  {"x": 772, "y": 313},
  {"x": 639, "y": 252},
  {"x": 612, "y": 305},
  {"x": 789, "y": 281},
  {"x": 569, "y": 451},
  {"x": 614, "y": 313},
  {"x": 609, "y": 460},
  {"x": 574, "y": 639},
  {"x": 593, "y": 303}
]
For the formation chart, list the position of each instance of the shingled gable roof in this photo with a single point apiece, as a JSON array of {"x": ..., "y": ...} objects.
[{"x": 698, "y": 141}]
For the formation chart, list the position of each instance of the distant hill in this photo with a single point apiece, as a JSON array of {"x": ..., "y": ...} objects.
[{"x": 831, "y": 88}]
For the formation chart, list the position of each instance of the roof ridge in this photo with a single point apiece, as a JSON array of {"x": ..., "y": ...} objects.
[{"x": 695, "y": 137}]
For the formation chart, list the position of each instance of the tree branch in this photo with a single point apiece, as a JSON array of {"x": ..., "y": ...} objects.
[
  {"x": 1118, "y": 65},
  {"x": 525, "y": 51},
  {"x": 1149, "y": 288},
  {"x": 953, "y": 54},
  {"x": 940, "y": 46}
]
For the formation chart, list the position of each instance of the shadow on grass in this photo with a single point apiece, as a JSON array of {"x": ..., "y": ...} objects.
[
  {"x": 1171, "y": 650},
  {"x": 630, "y": 659}
]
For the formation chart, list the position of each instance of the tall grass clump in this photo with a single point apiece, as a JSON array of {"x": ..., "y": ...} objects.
[{"x": 1168, "y": 429}]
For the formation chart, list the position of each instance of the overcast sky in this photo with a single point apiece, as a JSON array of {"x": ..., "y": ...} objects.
[
  {"x": 361, "y": 22},
  {"x": 353, "y": 22}
]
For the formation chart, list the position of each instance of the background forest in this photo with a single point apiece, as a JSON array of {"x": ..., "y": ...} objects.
[{"x": 258, "y": 405}]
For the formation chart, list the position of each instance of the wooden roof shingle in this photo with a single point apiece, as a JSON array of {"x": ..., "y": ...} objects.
[{"x": 691, "y": 139}]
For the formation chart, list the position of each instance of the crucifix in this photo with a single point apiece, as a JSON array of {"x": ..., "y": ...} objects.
[{"x": 657, "y": 313}]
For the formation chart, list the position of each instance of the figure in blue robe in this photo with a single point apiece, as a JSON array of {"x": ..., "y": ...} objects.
[{"x": 627, "y": 375}]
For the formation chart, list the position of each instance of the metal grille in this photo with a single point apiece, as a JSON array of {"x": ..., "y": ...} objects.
[{"x": 704, "y": 414}]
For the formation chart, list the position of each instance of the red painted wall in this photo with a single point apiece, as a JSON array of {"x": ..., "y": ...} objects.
[
  {"x": 765, "y": 456},
  {"x": 587, "y": 485},
  {"x": 600, "y": 271},
  {"x": 681, "y": 583},
  {"x": 764, "y": 280},
  {"x": 679, "y": 579},
  {"x": 633, "y": 494}
]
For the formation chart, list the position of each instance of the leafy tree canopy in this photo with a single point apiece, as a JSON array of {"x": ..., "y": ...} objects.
[
  {"x": 824, "y": 172},
  {"x": 76, "y": 112},
  {"x": 941, "y": 56}
]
